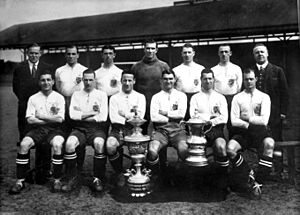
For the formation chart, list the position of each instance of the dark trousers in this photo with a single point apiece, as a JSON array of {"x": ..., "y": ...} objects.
[{"x": 42, "y": 154}]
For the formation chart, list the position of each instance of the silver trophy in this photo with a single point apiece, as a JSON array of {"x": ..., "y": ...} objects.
[
  {"x": 138, "y": 179},
  {"x": 197, "y": 128}
]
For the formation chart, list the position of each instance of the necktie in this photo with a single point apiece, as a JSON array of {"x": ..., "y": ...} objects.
[
  {"x": 33, "y": 71},
  {"x": 260, "y": 81}
]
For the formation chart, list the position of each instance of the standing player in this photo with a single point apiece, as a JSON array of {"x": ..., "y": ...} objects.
[
  {"x": 68, "y": 79},
  {"x": 188, "y": 74},
  {"x": 228, "y": 77},
  {"x": 148, "y": 75},
  {"x": 108, "y": 76}
]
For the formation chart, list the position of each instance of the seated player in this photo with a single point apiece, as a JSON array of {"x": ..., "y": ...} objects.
[
  {"x": 88, "y": 109},
  {"x": 123, "y": 106},
  {"x": 167, "y": 109},
  {"x": 211, "y": 106},
  {"x": 45, "y": 114},
  {"x": 250, "y": 113}
]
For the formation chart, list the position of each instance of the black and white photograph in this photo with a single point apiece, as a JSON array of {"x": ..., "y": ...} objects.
[{"x": 150, "y": 107}]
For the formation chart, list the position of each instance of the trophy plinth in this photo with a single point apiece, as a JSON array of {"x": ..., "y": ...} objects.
[
  {"x": 197, "y": 142},
  {"x": 138, "y": 179}
]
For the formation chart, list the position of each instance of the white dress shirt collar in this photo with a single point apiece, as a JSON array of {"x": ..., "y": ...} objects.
[{"x": 264, "y": 65}]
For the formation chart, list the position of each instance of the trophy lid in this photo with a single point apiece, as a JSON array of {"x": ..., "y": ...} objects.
[{"x": 136, "y": 121}]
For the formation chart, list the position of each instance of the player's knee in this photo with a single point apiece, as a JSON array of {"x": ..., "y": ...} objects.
[
  {"x": 57, "y": 143},
  {"x": 26, "y": 144},
  {"x": 182, "y": 146},
  {"x": 71, "y": 144},
  {"x": 99, "y": 144},
  {"x": 220, "y": 146},
  {"x": 269, "y": 144},
  {"x": 153, "y": 149},
  {"x": 231, "y": 148},
  {"x": 111, "y": 145}
]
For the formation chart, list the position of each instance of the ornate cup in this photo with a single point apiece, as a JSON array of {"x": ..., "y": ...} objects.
[
  {"x": 138, "y": 179},
  {"x": 197, "y": 128}
]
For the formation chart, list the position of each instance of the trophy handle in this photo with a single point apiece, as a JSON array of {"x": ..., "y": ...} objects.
[
  {"x": 210, "y": 127},
  {"x": 182, "y": 124}
]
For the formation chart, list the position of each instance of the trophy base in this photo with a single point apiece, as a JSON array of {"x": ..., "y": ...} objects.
[
  {"x": 197, "y": 161},
  {"x": 139, "y": 185},
  {"x": 139, "y": 189}
]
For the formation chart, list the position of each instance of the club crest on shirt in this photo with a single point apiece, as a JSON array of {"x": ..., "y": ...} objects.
[
  {"x": 113, "y": 83},
  {"x": 196, "y": 82},
  {"x": 78, "y": 79},
  {"x": 216, "y": 109},
  {"x": 96, "y": 107},
  {"x": 257, "y": 109},
  {"x": 134, "y": 109},
  {"x": 231, "y": 82},
  {"x": 175, "y": 106},
  {"x": 54, "y": 110}
]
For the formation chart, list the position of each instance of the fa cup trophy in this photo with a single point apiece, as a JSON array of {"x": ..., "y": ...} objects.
[
  {"x": 197, "y": 128},
  {"x": 138, "y": 179}
]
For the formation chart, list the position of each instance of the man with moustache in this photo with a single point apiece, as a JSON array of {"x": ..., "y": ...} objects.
[{"x": 272, "y": 81}]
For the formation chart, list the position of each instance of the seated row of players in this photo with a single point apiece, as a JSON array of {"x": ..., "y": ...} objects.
[{"x": 89, "y": 110}]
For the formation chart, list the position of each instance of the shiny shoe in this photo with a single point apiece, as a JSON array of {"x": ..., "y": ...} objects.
[
  {"x": 17, "y": 187},
  {"x": 71, "y": 184},
  {"x": 254, "y": 187},
  {"x": 121, "y": 181},
  {"x": 57, "y": 185},
  {"x": 255, "y": 191},
  {"x": 97, "y": 185}
]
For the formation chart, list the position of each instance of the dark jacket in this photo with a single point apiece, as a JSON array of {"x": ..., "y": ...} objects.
[
  {"x": 277, "y": 88},
  {"x": 24, "y": 85}
]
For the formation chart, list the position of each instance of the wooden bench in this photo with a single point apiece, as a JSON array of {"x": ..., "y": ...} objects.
[{"x": 290, "y": 147}]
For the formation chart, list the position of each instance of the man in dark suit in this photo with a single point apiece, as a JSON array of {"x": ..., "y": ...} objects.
[
  {"x": 272, "y": 80},
  {"x": 25, "y": 84}
]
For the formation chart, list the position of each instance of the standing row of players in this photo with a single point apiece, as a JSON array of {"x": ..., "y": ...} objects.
[{"x": 168, "y": 107}]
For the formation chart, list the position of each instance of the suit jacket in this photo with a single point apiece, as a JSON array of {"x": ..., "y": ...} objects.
[
  {"x": 276, "y": 87},
  {"x": 24, "y": 85}
]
